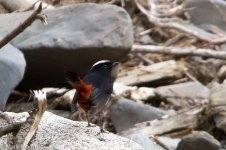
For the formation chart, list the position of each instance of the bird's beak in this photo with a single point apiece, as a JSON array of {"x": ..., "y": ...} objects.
[{"x": 115, "y": 70}]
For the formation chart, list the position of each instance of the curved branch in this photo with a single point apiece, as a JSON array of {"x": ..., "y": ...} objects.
[{"x": 36, "y": 14}]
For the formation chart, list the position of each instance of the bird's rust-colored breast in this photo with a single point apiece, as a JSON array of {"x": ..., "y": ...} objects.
[{"x": 84, "y": 92}]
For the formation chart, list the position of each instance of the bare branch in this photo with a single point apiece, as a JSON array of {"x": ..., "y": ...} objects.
[
  {"x": 191, "y": 51},
  {"x": 28, "y": 129},
  {"x": 36, "y": 14}
]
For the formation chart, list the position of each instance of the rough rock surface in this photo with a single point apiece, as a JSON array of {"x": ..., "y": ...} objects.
[
  {"x": 125, "y": 113},
  {"x": 75, "y": 38},
  {"x": 12, "y": 67},
  {"x": 55, "y": 132}
]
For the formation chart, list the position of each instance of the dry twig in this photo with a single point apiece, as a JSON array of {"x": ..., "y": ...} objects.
[
  {"x": 24, "y": 131},
  {"x": 36, "y": 14},
  {"x": 144, "y": 59},
  {"x": 191, "y": 51},
  {"x": 28, "y": 130},
  {"x": 156, "y": 140}
]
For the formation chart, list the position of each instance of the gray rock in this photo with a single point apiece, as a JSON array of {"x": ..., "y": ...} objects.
[
  {"x": 57, "y": 133},
  {"x": 199, "y": 141},
  {"x": 75, "y": 38},
  {"x": 144, "y": 141},
  {"x": 184, "y": 94},
  {"x": 207, "y": 12},
  {"x": 223, "y": 143},
  {"x": 125, "y": 113},
  {"x": 12, "y": 66}
]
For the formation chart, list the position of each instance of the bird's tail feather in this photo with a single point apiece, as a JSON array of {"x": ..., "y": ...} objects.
[{"x": 71, "y": 77}]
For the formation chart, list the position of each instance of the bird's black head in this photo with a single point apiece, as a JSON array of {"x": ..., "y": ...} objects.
[{"x": 106, "y": 67}]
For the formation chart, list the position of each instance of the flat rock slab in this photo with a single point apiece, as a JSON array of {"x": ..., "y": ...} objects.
[
  {"x": 184, "y": 94},
  {"x": 12, "y": 67},
  {"x": 57, "y": 133},
  {"x": 75, "y": 38}
]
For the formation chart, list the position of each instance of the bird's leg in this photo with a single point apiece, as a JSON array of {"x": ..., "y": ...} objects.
[
  {"x": 101, "y": 119},
  {"x": 87, "y": 118}
]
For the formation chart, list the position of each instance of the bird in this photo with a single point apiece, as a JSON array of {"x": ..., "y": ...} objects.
[{"x": 94, "y": 90}]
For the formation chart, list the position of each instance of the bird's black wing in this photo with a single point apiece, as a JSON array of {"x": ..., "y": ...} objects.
[
  {"x": 104, "y": 83},
  {"x": 98, "y": 98},
  {"x": 102, "y": 87}
]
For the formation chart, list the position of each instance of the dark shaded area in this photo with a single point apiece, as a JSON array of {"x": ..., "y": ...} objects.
[{"x": 51, "y": 61}]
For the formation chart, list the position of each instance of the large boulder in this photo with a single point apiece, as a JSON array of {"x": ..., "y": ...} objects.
[
  {"x": 12, "y": 66},
  {"x": 75, "y": 38},
  {"x": 57, "y": 133}
]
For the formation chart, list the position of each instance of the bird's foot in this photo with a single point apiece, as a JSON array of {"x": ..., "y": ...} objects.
[
  {"x": 101, "y": 131},
  {"x": 90, "y": 125}
]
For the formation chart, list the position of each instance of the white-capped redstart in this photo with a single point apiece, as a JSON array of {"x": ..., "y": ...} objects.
[{"x": 94, "y": 90}]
